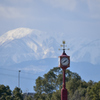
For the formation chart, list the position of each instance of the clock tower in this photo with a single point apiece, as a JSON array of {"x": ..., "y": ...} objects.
[{"x": 64, "y": 62}]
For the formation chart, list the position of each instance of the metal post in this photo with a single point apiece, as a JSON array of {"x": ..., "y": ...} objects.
[
  {"x": 64, "y": 90},
  {"x": 19, "y": 78},
  {"x": 64, "y": 64},
  {"x": 64, "y": 85}
]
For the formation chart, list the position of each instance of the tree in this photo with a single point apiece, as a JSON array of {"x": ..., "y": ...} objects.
[
  {"x": 79, "y": 94},
  {"x": 94, "y": 91},
  {"x": 56, "y": 95},
  {"x": 48, "y": 85},
  {"x": 28, "y": 97},
  {"x": 5, "y": 93},
  {"x": 17, "y": 94}
]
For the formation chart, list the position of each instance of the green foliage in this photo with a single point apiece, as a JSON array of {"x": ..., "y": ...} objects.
[
  {"x": 17, "y": 94},
  {"x": 56, "y": 95},
  {"x": 28, "y": 97},
  {"x": 52, "y": 82},
  {"x": 48, "y": 83},
  {"x": 5, "y": 93},
  {"x": 49, "y": 86},
  {"x": 94, "y": 91},
  {"x": 79, "y": 94}
]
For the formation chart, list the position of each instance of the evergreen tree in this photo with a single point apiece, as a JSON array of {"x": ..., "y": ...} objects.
[
  {"x": 17, "y": 94},
  {"x": 5, "y": 93}
]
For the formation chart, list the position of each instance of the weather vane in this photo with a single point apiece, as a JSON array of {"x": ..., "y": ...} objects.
[{"x": 64, "y": 47}]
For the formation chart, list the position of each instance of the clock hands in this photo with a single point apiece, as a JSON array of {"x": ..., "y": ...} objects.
[{"x": 64, "y": 61}]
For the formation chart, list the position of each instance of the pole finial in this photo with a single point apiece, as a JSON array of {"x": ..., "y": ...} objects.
[
  {"x": 64, "y": 47},
  {"x": 63, "y": 42}
]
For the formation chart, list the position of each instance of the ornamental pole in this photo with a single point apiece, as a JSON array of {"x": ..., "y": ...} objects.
[{"x": 64, "y": 64}]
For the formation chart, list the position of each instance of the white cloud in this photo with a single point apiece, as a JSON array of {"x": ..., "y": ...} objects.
[
  {"x": 94, "y": 7},
  {"x": 29, "y": 8},
  {"x": 15, "y": 9},
  {"x": 17, "y": 1},
  {"x": 10, "y": 12},
  {"x": 89, "y": 8},
  {"x": 34, "y": 69},
  {"x": 65, "y": 4}
]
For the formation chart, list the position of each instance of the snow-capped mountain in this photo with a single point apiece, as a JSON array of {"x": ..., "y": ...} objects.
[
  {"x": 24, "y": 44},
  {"x": 34, "y": 51},
  {"x": 86, "y": 51}
]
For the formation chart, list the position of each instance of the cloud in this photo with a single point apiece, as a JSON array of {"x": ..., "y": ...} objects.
[
  {"x": 65, "y": 4},
  {"x": 16, "y": 1},
  {"x": 16, "y": 8},
  {"x": 38, "y": 11},
  {"x": 94, "y": 7},
  {"x": 34, "y": 69},
  {"x": 88, "y": 8},
  {"x": 10, "y": 12}
]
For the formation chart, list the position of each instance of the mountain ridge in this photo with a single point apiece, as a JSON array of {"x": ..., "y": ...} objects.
[
  {"x": 34, "y": 44},
  {"x": 37, "y": 53},
  {"x": 26, "y": 48}
]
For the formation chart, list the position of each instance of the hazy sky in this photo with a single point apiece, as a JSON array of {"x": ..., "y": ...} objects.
[{"x": 76, "y": 17}]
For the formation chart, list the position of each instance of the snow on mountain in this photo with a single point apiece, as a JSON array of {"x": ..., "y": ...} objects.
[
  {"x": 89, "y": 52},
  {"x": 14, "y": 34},
  {"x": 24, "y": 44},
  {"x": 34, "y": 51}
]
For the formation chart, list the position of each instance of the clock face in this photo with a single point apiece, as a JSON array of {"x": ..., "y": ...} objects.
[{"x": 64, "y": 61}]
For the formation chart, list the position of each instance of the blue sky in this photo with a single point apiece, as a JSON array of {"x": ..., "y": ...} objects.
[
  {"x": 71, "y": 18},
  {"x": 76, "y": 17}
]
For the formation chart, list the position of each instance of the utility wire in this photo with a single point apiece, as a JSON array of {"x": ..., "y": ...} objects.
[
  {"x": 16, "y": 76},
  {"x": 17, "y": 71}
]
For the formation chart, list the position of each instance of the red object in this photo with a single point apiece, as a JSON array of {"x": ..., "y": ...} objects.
[{"x": 64, "y": 90}]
